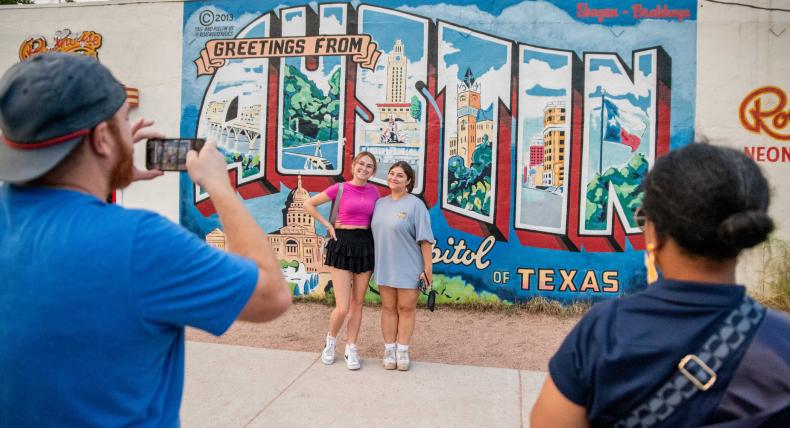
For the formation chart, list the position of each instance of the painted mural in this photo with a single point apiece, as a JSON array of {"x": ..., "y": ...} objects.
[
  {"x": 530, "y": 124},
  {"x": 766, "y": 112},
  {"x": 86, "y": 43}
]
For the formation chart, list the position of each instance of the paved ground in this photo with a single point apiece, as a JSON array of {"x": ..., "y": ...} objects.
[{"x": 228, "y": 386}]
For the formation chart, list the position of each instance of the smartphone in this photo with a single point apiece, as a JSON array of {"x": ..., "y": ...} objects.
[{"x": 170, "y": 154}]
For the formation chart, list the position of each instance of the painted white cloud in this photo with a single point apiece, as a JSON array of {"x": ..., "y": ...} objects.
[
  {"x": 332, "y": 25},
  {"x": 617, "y": 83},
  {"x": 446, "y": 48},
  {"x": 539, "y": 72}
]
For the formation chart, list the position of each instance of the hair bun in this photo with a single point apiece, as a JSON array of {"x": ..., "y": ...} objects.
[{"x": 745, "y": 229}]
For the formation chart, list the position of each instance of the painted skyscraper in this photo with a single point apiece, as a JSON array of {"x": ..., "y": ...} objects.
[{"x": 396, "y": 74}]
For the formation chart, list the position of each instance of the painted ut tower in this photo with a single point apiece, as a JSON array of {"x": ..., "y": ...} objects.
[{"x": 396, "y": 74}]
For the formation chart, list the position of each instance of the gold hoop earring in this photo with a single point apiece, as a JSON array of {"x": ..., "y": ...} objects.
[{"x": 650, "y": 264}]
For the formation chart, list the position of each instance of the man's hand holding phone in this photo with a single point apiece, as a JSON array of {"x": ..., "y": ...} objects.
[
  {"x": 141, "y": 130},
  {"x": 208, "y": 169}
]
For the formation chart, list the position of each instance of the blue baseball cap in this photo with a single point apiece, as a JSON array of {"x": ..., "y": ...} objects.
[{"x": 48, "y": 104}]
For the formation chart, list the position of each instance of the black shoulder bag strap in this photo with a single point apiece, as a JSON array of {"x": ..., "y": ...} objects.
[
  {"x": 336, "y": 205},
  {"x": 697, "y": 371}
]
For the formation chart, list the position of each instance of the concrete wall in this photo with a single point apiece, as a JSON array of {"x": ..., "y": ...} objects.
[
  {"x": 141, "y": 44},
  {"x": 741, "y": 50}
]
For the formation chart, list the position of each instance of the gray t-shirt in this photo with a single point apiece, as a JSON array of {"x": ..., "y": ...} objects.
[{"x": 398, "y": 227}]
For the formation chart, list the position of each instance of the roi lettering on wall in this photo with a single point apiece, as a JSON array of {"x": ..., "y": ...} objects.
[{"x": 529, "y": 140}]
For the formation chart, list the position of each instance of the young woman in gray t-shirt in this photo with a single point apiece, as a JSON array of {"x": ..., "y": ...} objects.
[{"x": 403, "y": 241}]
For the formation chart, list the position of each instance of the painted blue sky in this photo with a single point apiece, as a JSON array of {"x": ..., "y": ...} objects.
[
  {"x": 330, "y": 62},
  {"x": 473, "y": 52},
  {"x": 385, "y": 28},
  {"x": 646, "y": 65},
  {"x": 293, "y": 14},
  {"x": 596, "y": 64},
  {"x": 554, "y": 61},
  {"x": 232, "y": 84},
  {"x": 540, "y": 91},
  {"x": 641, "y": 102},
  {"x": 336, "y": 12}
]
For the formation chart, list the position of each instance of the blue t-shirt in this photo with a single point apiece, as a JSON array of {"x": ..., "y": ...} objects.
[
  {"x": 623, "y": 350},
  {"x": 93, "y": 303}
]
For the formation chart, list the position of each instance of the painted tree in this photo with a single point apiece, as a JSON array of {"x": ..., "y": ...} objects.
[
  {"x": 628, "y": 182},
  {"x": 416, "y": 108}
]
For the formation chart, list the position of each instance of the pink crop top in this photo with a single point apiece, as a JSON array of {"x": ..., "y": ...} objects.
[{"x": 356, "y": 203}]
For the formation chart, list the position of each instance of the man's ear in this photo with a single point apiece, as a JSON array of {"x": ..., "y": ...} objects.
[{"x": 101, "y": 141}]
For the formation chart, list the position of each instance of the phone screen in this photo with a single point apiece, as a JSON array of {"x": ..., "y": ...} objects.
[{"x": 170, "y": 154}]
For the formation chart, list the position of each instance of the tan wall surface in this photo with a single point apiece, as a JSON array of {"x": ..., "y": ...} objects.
[
  {"x": 740, "y": 50},
  {"x": 141, "y": 44}
]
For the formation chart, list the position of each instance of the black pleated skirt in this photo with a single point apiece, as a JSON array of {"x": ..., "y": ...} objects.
[{"x": 351, "y": 251}]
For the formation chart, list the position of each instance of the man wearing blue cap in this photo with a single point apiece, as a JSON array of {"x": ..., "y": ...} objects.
[{"x": 94, "y": 297}]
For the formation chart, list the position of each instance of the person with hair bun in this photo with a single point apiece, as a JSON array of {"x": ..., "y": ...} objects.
[
  {"x": 692, "y": 349},
  {"x": 404, "y": 241}
]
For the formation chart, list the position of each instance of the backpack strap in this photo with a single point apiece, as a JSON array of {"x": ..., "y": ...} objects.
[
  {"x": 336, "y": 205},
  {"x": 697, "y": 371}
]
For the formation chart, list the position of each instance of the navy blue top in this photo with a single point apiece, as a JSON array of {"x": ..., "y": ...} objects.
[{"x": 623, "y": 350}]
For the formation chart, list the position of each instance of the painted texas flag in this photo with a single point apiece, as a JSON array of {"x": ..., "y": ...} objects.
[{"x": 622, "y": 126}]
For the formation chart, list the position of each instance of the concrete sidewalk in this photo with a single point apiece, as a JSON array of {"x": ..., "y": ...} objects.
[{"x": 228, "y": 386}]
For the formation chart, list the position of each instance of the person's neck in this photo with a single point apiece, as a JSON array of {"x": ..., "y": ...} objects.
[
  {"x": 677, "y": 265},
  {"x": 358, "y": 182},
  {"x": 395, "y": 195},
  {"x": 80, "y": 180}
]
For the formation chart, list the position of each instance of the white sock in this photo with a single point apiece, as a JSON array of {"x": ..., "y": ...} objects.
[
  {"x": 351, "y": 346},
  {"x": 403, "y": 347},
  {"x": 331, "y": 340},
  {"x": 389, "y": 346}
]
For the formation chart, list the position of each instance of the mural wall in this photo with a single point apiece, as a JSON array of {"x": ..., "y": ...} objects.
[{"x": 530, "y": 124}]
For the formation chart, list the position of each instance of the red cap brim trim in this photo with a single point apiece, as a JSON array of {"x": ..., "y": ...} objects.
[{"x": 45, "y": 143}]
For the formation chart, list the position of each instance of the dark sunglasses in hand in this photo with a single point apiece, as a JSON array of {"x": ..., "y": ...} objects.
[{"x": 431, "y": 302}]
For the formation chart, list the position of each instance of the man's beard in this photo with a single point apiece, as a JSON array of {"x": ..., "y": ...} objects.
[{"x": 121, "y": 173}]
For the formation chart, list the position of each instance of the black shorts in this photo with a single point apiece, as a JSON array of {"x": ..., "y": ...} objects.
[{"x": 351, "y": 251}]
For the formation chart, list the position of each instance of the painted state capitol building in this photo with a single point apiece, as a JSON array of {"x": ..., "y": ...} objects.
[{"x": 297, "y": 239}]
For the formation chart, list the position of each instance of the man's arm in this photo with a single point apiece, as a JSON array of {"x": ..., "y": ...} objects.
[{"x": 272, "y": 296}]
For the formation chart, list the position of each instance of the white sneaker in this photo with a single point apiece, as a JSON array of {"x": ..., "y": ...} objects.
[
  {"x": 352, "y": 359},
  {"x": 328, "y": 354},
  {"x": 403, "y": 359},
  {"x": 389, "y": 359}
]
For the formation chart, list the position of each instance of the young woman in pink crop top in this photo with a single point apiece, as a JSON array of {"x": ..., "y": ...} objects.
[{"x": 349, "y": 252}]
